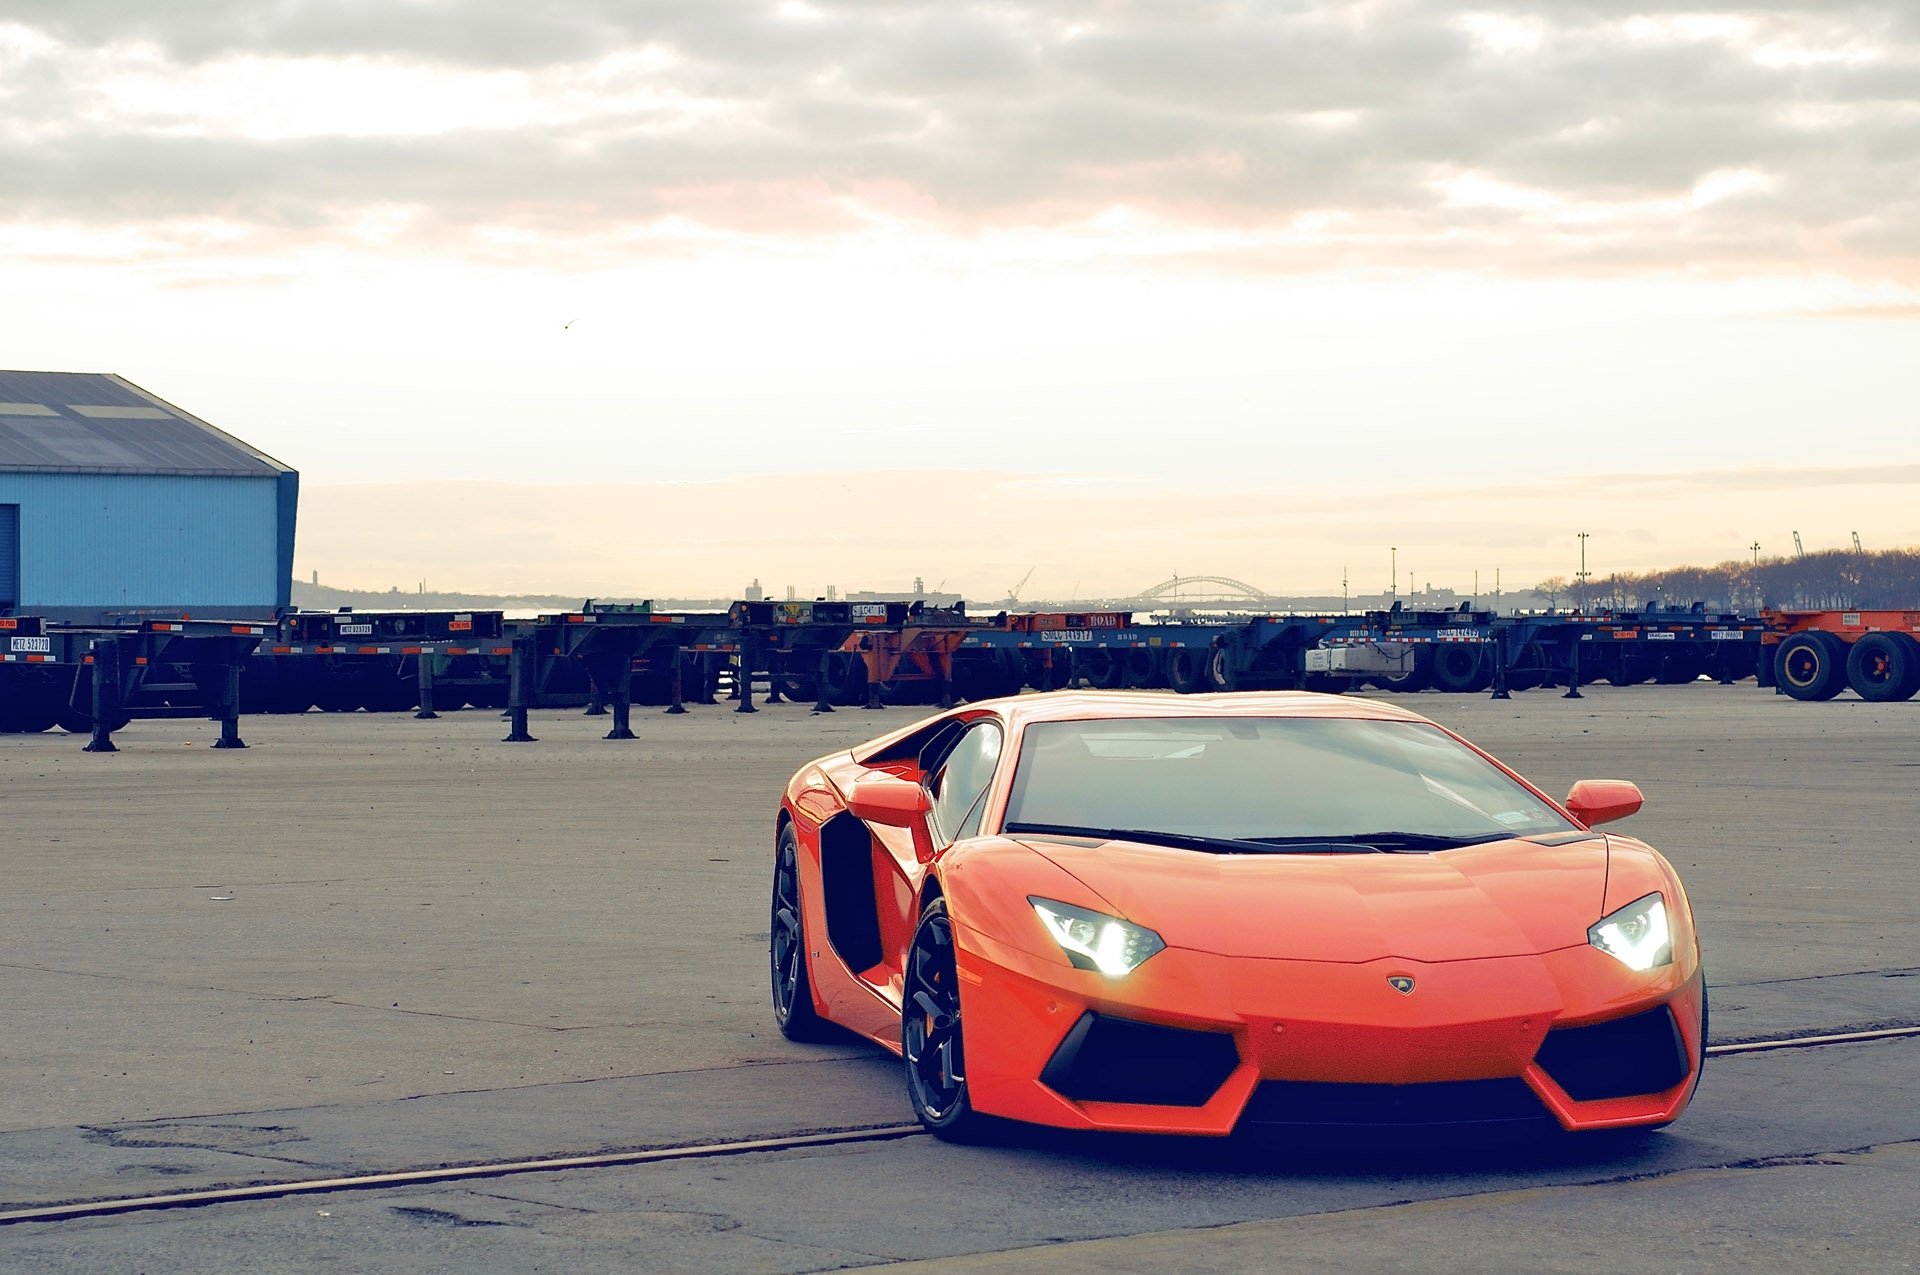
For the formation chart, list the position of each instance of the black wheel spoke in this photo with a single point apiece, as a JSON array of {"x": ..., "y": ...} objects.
[{"x": 931, "y": 1036}]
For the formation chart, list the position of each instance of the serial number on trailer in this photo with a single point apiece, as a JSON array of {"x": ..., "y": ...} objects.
[
  {"x": 31, "y": 645},
  {"x": 1084, "y": 635}
]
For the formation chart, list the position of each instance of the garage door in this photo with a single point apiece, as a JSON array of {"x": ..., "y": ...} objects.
[{"x": 9, "y": 555}]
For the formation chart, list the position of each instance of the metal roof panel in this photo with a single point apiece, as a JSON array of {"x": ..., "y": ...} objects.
[{"x": 96, "y": 423}]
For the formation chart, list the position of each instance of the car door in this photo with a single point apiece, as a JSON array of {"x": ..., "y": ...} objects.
[{"x": 957, "y": 769}]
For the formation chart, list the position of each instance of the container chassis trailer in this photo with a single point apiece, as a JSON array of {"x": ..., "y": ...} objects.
[
  {"x": 831, "y": 654},
  {"x": 1814, "y": 655}
]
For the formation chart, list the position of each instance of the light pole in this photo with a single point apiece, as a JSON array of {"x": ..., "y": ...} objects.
[
  {"x": 1393, "y": 573},
  {"x": 1583, "y": 570}
]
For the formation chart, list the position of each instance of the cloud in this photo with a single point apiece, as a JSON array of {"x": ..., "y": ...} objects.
[{"x": 1598, "y": 137}]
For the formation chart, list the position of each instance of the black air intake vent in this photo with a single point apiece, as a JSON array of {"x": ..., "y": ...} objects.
[
  {"x": 1450, "y": 1102},
  {"x": 1106, "y": 1059},
  {"x": 1621, "y": 1059}
]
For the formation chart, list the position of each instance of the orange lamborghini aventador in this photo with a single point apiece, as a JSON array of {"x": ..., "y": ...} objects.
[{"x": 1197, "y": 913}]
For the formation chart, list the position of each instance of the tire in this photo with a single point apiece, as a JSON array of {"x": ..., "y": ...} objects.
[
  {"x": 1184, "y": 669},
  {"x": 1461, "y": 667},
  {"x": 975, "y": 676},
  {"x": 793, "y": 1008},
  {"x": 1419, "y": 678},
  {"x": 31, "y": 701},
  {"x": 1630, "y": 669},
  {"x": 847, "y": 679},
  {"x": 1054, "y": 674},
  {"x": 1680, "y": 666},
  {"x": 1140, "y": 668},
  {"x": 1884, "y": 667},
  {"x": 1104, "y": 668},
  {"x": 1528, "y": 671},
  {"x": 1811, "y": 665},
  {"x": 932, "y": 1042},
  {"x": 797, "y": 687},
  {"x": 1217, "y": 670}
]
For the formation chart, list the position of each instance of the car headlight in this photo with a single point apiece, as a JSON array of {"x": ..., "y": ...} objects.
[
  {"x": 1637, "y": 935},
  {"x": 1096, "y": 941}
]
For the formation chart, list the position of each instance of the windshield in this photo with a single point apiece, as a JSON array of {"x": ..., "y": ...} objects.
[{"x": 1272, "y": 779}]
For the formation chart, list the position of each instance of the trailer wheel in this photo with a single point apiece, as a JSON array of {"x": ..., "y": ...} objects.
[
  {"x": 847, "y": 679},
  {"x": 1141, "y": 667},
  {"x": 1217, "y": 669},
  {"x": 1103, "y": 668},
  {"x": 975, "y": 676},
  {"x": 1884, "y": 667},
  {"x": 1417, "y": 678},
  {"x": 1811, "y": 665},
  {"x": 1461, "y": 667},
  {"x": 1184, "y": 669},
  {"x": 1679, "y": 666},
  {"x": 30, "y": 701},
  {"x": 1630, "y": 669}
]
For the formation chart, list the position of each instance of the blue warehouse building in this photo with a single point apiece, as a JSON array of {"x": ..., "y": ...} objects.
[{"x": 116, "y": 504}]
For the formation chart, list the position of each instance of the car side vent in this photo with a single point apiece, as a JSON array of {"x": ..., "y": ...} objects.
[
  {"x": 1641, "y": 1054},
  {"x": 846, "y": 878},
  {"x": 1107, "y": 1059}
]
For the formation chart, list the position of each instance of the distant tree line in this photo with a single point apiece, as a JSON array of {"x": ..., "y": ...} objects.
[{"x": 1832, "y": 579}]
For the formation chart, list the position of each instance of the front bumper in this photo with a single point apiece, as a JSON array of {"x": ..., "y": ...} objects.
[{"x": 1197, "y": 1043}]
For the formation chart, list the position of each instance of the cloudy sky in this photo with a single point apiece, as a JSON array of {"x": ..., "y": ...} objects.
[{"x": 1109, "y": 289}]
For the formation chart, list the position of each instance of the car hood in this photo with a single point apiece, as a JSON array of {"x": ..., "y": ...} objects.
[{"x": 1504, "y": 898}]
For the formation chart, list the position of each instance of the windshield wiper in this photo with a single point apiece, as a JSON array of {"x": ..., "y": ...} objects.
[
  {"x": 1405, "y": 842},
  {"x": 1195, "y": 841}
]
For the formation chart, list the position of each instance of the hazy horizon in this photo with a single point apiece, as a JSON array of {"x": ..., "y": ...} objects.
[{"x": 979, "y": 533}]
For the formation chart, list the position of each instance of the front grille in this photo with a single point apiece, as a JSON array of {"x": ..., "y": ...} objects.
[
  {"x": 1443, "y": 1102},
  {"x": 1642, "y": 1054},
  {"x": 1107, "y": 1059}
]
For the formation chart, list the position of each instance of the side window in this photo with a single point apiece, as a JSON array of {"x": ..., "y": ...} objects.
[{"x": 959, "y": 786}]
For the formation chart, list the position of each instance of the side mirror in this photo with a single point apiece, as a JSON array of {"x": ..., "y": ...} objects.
[
  {"x": 1596, "y": 801},
  {"x": 897, "y": 803}
]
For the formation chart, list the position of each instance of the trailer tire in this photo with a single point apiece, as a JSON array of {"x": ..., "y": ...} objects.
[
  {"x": 1811, "y": 665},
  {"x": 1104, "y": 668},
  {"x": 1461, "y": 667},
  {"x": 1140, "y": 667},
  {"x": 30, "y": 701},
  {"x": 1884, "y": 667},
  {"x": 1217, "y": 670},
  {"x": 1418, "y": 678},
  {"x": 1184, "y": 669},
  {"x": 847, "y": 679},
  {"x": 1630, "y": 669},
  {"x": 1680, "y": 666}
]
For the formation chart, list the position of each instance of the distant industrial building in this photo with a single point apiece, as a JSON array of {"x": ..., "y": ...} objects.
[{"x": 114, "y": 503}]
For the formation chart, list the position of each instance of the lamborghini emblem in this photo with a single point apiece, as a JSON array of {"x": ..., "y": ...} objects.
[{"x": 1401, "y": 984}]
